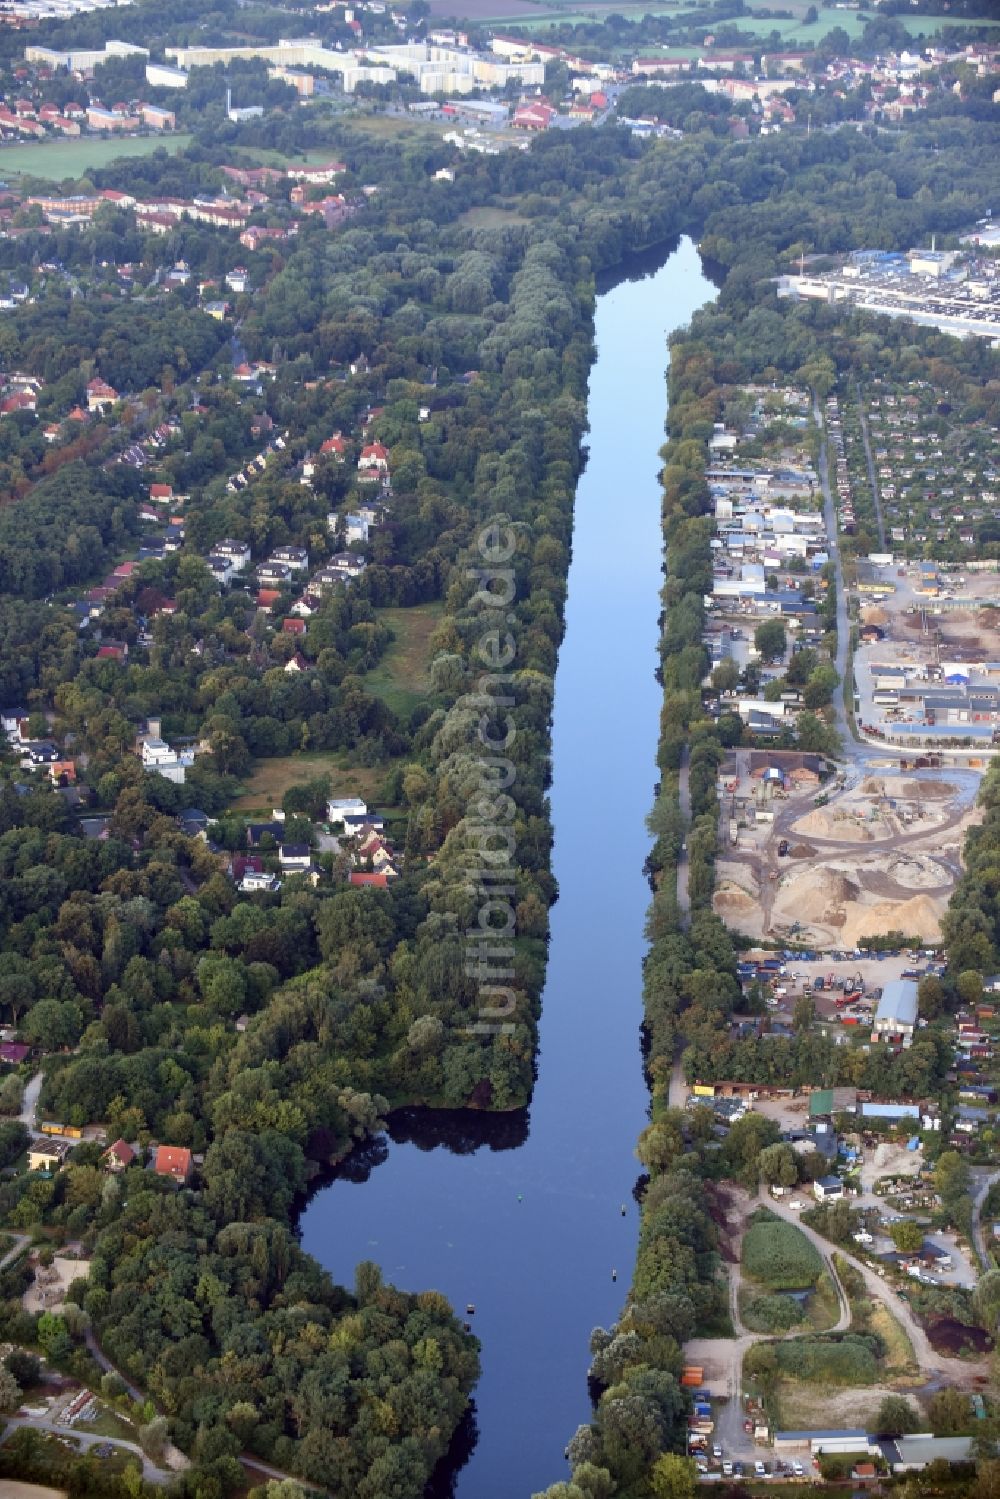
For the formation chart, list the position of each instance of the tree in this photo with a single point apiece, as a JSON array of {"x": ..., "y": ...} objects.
[
  {"x": 726, "y": 676},
  {"x": 153, "y": 1437},
  {"x": 986, "y": 1300},
  {"x": 951, "y": 1180},
  {"x": 10, "y": 1390},
  {"x": 673, "y": 1477},
  {"x": 907, "y": 1236},
  {"x": 804, "y": 1013},
  {"x": 662, "y": 1142},
  {"x": 970, "y": 986},
  {"x": 770, "y": 639},
  {"x": 778, "y": 1166},
  {"x": 897, "y": 1416},
  {"x": 949, "y": 1412},
  {"x": 931, "y": 997}
]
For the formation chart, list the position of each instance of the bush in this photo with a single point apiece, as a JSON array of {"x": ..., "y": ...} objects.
[
  {"x": 772, "y": 1314},
  {"x": 778, "y": 1255},
  {"x": 849, "y": 1360}
]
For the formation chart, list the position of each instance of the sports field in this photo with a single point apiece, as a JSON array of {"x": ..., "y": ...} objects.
[{"x": 56, "y": 160}]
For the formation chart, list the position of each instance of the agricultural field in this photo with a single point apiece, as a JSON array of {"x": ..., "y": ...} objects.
[{"x": 56, "y": 160}]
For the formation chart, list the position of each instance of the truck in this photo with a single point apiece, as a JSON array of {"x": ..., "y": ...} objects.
[{"x": 782, "y": 848}]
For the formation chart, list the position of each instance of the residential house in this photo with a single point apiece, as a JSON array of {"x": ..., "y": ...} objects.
[
  {"x": 48, "y": 1155},
  {"x": 828, "y": 1189},
  {"x": 342, "y": 808},
  {"x": 118, "y": 1156},
  {"x": 255, "y": 880},
  {"x": 161, "y": 760},
  {"x": 296, "y": 664},
  {"x": 100, "y": 396},
  {"x": 295, "y": 858},
  {"x": 293, "y": 558},
  {"x": 174, "y": 1161},
  {"x": 374, "y": 461}
]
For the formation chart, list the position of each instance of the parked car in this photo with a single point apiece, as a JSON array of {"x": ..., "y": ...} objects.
[
  {"x": 798, "y": 1469},
  {"x": 727, "y": 1468},
  {"x": 759, "y": 1471},
  {"x": 717, "y": 1452}
]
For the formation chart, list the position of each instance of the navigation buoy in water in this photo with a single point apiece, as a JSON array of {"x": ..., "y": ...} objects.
[{"x": 614, "y": 1275}]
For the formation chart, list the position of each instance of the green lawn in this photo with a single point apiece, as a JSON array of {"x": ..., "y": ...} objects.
[
  {"x": 852, "y": 21},
  {"x": 402, "y": 678},
  {"x": 56, "y": 160}
]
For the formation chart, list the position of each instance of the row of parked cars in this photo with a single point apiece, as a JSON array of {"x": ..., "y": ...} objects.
[{"x": 734, "y": 1469}]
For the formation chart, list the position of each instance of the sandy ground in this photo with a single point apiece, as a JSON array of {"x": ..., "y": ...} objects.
[
  {"x": 807, "y": 1407},
  {"x": 882, "y": 854},
  {"x": 48, "y": 1289},
  {"x": 13, "y": 1488}
]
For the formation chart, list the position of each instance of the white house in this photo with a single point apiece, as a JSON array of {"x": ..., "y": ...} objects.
[
  {"x": 258, "y": 879},
  {"x": 295, "y": 857},
  {"x": 339, "y": 808},
  {"x": 158, "y": 757}
]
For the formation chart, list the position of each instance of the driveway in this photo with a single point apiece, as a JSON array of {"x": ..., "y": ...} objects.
[
  {"x": 29, "y": 1104},
  {"x": 933, "y": 1364},
  {"x": 984, "y": 1183},
  {"x": 86, "y": 1440}
]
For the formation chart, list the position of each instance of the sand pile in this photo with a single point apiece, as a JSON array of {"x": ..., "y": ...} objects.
[
  {"x": 927, "y": 790},
  {"x": 820, "y": 824},
  {"x": 817, "y": 896},
  {"x": 920, "y": 916},
  {"x": 730, "y": 900},
  {"x": 874, "y": 614},
  {"x": 915, "y": 873}
]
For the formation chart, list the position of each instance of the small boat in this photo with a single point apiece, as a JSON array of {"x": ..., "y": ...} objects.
[
  {"x": 470, "y": 1310},
  {"x": 614, "y": 1275},
  {"x": 623, "y": 1210}
]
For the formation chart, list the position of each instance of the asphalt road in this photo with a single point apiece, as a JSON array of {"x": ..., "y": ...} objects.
[
  {"x": 978, "y": 1237},
  {"x": 870, "y": 461}
]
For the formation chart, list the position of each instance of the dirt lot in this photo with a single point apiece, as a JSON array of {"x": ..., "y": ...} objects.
[{"x": 13, "y": 1488}]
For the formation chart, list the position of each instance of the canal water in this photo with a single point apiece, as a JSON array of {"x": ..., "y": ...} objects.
[{"x": 522, "y": 1215}]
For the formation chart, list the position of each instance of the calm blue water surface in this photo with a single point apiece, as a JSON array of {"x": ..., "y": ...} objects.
[{"x": 522, "y": 1217}]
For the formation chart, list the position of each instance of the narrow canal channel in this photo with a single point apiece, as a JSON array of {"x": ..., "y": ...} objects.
[{"x": 522, "y": 1216}]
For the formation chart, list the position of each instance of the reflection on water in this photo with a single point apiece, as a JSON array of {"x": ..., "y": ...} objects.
[{"x": 521, "y": 1214}]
